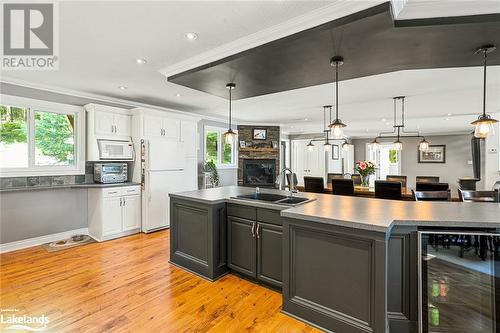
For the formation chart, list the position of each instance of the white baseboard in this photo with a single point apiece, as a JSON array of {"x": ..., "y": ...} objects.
[{"x": 30, "y": 242}]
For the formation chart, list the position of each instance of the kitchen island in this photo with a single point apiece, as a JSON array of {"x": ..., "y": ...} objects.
[{"x": 344, "y": 264}]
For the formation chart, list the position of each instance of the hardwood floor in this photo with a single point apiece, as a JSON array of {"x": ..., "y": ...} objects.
[{"x": 127, "y": 285}]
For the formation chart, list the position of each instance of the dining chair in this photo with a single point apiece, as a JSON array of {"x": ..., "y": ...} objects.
[
  {"x": 396, "y": 178},
  {"x": 496, "y": 186},
  {"x": 331, "y": 176},
  {"x": 356, "y": 178},
  {"x": 388, "y": 190},
  {"x": 314, "y": 184},
  {"x": 432, "y": 195},
  {"x": 427, "y": 179},
  {"x": 342, "y": 186},
  {"x": 478, "y": 196},
  {"x": 424, "y": 186},
  {"x": 468, "y": 184}
]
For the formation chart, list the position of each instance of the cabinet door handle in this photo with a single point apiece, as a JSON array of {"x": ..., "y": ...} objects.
[
  {"x": 124, "y": 202},
  {"x": 120, "y": 202},
  {"x": 253, "y": 230},
  {"x": 258, "y": 226},
  {"x": 114, "y": 192}
]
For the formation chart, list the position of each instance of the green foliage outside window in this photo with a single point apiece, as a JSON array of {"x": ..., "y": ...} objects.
[
  {"x": 211, "y": 147},
  {"x": 13, "y": 125},
  {"x": 54, "y": 136},
  {"x": 393, "y": 156},
  {"x": 227, "y": 153}
]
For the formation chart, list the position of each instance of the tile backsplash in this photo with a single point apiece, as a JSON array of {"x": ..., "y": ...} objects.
[{"x": 45, "y": 181}]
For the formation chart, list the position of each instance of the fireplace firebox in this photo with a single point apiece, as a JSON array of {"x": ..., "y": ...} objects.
[{"x": 259, "y": 172}]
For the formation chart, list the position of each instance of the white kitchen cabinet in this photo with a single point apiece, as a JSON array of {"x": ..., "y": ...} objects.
[
  {"x": 189, "y": 135},
  {"x": 103, "y": 123},
  {"x": 111, "y": 215},
  {"x": 110, "y": 124},
  {"x": 161, "y": 127},
  {"x": 131, "y": 212},
  {"x": 114, "y": 211},
  {"x": 122, "y": 124}
]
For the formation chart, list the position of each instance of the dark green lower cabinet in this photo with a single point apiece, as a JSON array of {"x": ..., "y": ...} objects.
[
  {"x": 255, "y": 248},
  {"x": 198, "y": 237},
  {"x": 269, "y": 254},
  {"x": 242, "y": 256}
]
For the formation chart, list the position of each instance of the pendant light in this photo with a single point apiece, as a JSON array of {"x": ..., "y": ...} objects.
[
  {"x": 310, "y": 146},
  {"x": 423, "y": 145},
  {"x": 375, "y": 145},
  {"x": 337, "y": 125},
  {"x": 230, "y": 134},
  {"x": 483, "y": 126},
  {"x": 326, "y": 146}
]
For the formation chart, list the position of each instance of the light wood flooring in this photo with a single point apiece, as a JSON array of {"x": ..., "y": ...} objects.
[{"x": 127, "y": 285}]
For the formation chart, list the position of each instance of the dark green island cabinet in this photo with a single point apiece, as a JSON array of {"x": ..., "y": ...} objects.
[
  {"x": 336, "y": 277},
  {"x": 254, "y": 246},
  {"x": 198, "y": 237},
  {"x": 330, "y": 275}
]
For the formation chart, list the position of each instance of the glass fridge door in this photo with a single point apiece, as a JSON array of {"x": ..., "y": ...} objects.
[{"x": 459, "y": 282}]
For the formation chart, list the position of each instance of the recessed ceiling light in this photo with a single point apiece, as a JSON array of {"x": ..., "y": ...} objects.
[
  {"x": 122, "y": 87},
  {"x": 384, "y": 120},
  {"x": 191, "y": 35},
  {"x": 140, "y": 61},
  {"x": 306, "y": 119},
  {"x": 449, "y": 114},
  {"x": 446, "y": 118},
  {"x": 178, "y": 95}
]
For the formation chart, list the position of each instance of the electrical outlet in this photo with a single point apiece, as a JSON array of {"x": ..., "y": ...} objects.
[{"x": 492, "y": 151}]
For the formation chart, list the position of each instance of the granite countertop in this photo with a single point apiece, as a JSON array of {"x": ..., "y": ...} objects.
[
  {"x": 365, "y": 213},
  {"x": 66, "y": 186}
]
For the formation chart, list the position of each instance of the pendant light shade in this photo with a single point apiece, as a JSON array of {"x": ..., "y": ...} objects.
[
  {"x": 310, "y": 146},
  {"x": 483, "y": 126},
  {"x": 398, "y": 145},
  {"x": 327, "y": 146},
  {"x": 230, "y": 135},
  {"x": 337, "y": 126},
  {"x": 423, "y": 145},
  {"x": 345, "y": 146},
  {"x": 375, "y": 145}
]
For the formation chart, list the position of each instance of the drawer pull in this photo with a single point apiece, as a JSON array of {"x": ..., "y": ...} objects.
[{"x": 114, "y": 192}]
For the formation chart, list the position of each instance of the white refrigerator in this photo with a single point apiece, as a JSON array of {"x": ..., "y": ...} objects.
[{"x": 165, "y": 169}]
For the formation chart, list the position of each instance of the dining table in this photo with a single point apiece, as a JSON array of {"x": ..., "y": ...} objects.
[{"x": 367, "y": 191}]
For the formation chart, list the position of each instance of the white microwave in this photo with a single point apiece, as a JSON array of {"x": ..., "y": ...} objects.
[{"x": 117, "y": 150}]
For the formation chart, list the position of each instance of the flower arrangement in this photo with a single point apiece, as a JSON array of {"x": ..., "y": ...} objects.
[{"x": 365, "y": 169}]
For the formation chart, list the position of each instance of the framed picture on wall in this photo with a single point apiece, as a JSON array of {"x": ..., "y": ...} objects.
[
  {"x": 435, "y": 154},
  {"x": 335, "y": 152},
  {"x": 259, "y": 134}
]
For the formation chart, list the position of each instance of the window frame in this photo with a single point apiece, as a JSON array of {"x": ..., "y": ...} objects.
[
  {"x": 33, "y": 106},
  {"x": 220, "y": 153}
]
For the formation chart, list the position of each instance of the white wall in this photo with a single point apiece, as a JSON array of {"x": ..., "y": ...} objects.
[
  {"x": 492, "y": 159},
  {"x": 458, "y": 157}
]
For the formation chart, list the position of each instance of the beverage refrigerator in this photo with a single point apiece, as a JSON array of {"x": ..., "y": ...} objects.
[{"x": 459, "y": 282}]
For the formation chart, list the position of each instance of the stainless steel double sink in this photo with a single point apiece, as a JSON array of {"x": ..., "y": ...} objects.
[{"x": 277, "y": 199}]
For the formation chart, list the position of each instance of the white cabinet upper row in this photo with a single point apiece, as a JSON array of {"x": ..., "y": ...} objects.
[{"x": 112, "y": 124}]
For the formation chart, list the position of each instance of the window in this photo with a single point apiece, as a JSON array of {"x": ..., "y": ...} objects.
[
  {"x": 216, "y": 150},
  {"x": 40, "y": 138}
]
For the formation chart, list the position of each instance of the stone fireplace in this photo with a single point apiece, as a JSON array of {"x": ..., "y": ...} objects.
[
  {"x": 259, "y": 172},
  {"x": 258, "y": 159}
]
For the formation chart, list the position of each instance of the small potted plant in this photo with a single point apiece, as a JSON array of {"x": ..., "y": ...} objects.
[
  {"x": 365, "y": 170},
  {"x": 211, "y": 169}
]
